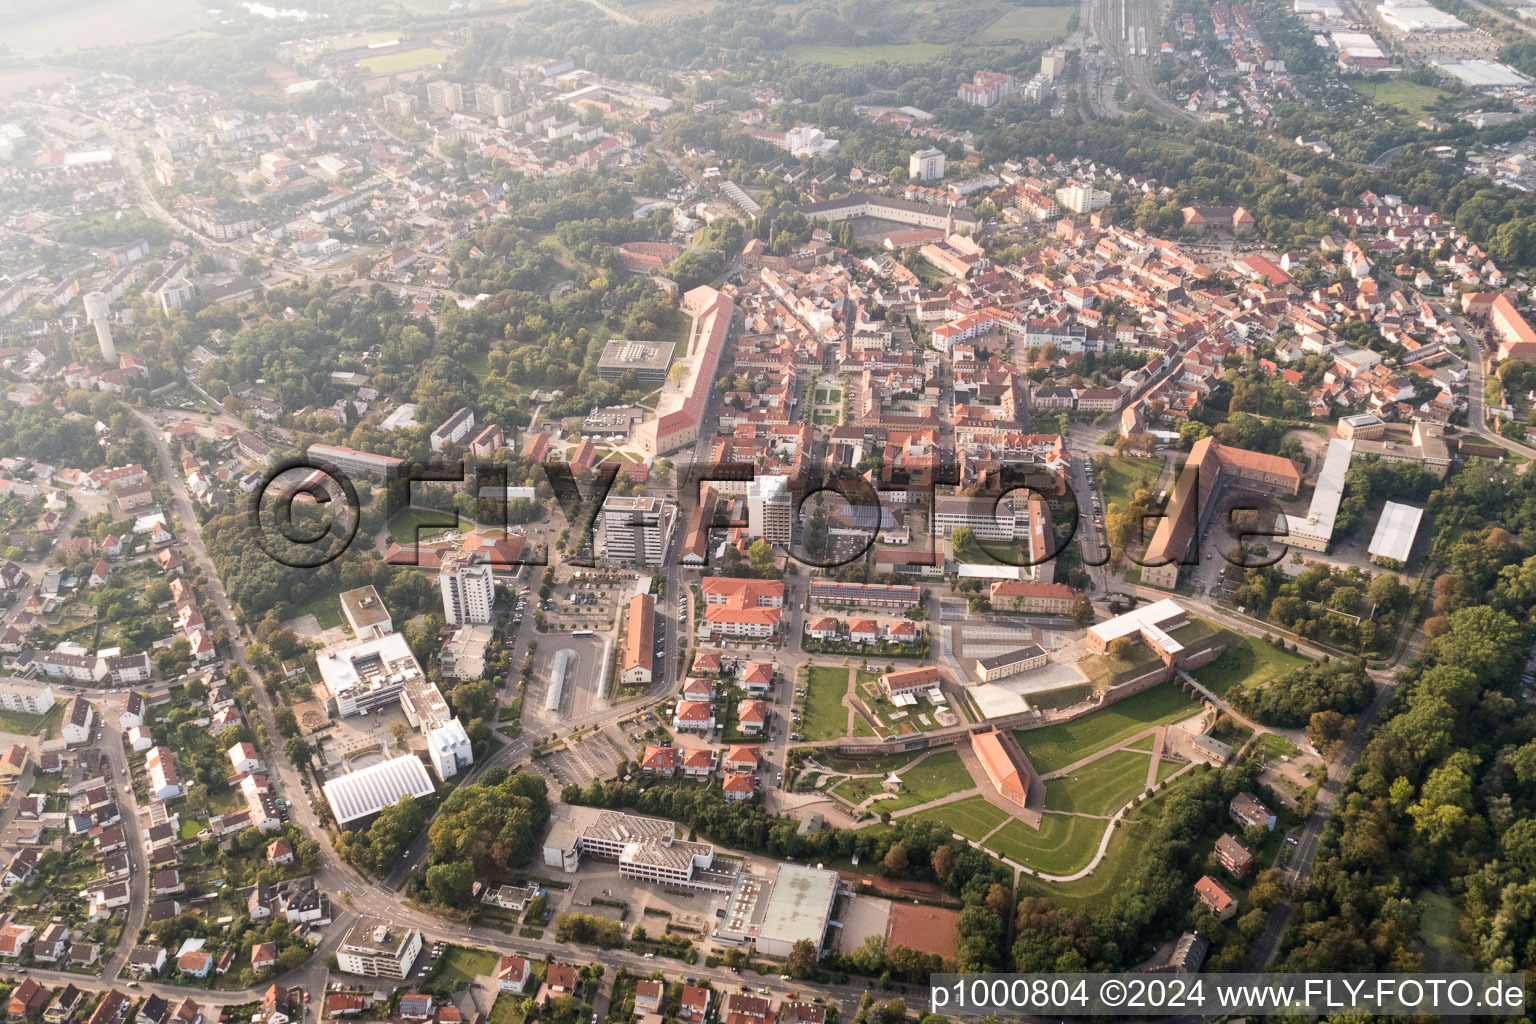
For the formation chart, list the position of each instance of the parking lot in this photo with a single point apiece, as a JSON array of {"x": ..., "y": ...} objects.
[
  {"x": 592, "y": 756},
  {"x": 588, "y": 600}
]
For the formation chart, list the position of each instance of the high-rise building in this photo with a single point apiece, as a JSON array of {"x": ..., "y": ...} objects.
[
  {"x": 926, "y": 164},
  {"x": 492, "y": 101},
  {"x": 771, "y": 510},
  {"x": 633, "y": 530},
  {"x": 1053, "y": 62},
  {"x": 443, "y": 95},
  {"x": 376, "y": 949},
  {"x": 468, "y": 586},
  {"x": 98, "y": 314},
  {"x": 1081, "y": 198}
]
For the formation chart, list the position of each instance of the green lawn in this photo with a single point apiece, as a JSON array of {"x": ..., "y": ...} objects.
[
  {"x": 325, "y": 607},
  {"x": 853, "y": 56},
  {"x": 1107, "y": 670},
  {"x": 411, "y": 526},
  {"x": 1277, "y": 746},
  {"x": 23, "y": 724},
  {"x": 972, "y": 817},
  {"x": 1062, "y": 698},
  {"x": 1409, "y": 97},
  {"x": 1108, "y": 880},
  {"x": 865, "y": 764},
  {"x": 1029, "y": 24},
  {"x": 1438, "y": 919},
  {"x": 825, "y": 716},
  {"x": 1121, "y": 476},
  {"x": 937, "y": 775},
  {"x": 405, "y": 60},
  {"x": 507, "y": 1009},
  {"x": 461, "y": 963},
  {"x": 1057, "y": 746},
  {"x": 1248, "y": 662},
  {"x": 1101, "y": 787},
  {"x": 1062, "y": 844},
  {"x": 1167, "y": 768}
]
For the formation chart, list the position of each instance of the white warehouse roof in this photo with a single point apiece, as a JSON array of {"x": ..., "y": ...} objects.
[
  {"x": 1327, "y": 494},
  {"x": 370, "y": 790},
  {"x": 1398, "y": 526}
]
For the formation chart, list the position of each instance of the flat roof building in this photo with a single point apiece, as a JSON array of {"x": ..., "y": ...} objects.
[
  {"x": 646, "y": 849},
  {"x": 365, "y": 612},
  {"x": 367, "y": 791},
  {"x": 1316, "y": 531},
  {"x": 799, "y": 906},
  {"x": 376, "y": 949},
  {"x": 1395, "y": 532},
  {"x": 648, "y": 360}
]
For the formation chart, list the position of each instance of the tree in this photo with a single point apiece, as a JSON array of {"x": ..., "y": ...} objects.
[
  {"x": 869, "y": 957},
  {"x": 998, "y": 900},
  {"x": 1120, "y": 648},
  {"x": 760, "y": 555},
  {"x": 298, "y": 750},
  {"x": 1444, "y": 809},
  {"x": 801, "y": 962},
  {"x": 451, "y": 884},
  {"x": 942, "y": 861},
  {"x": 1082, "y": 612},
  {"x": 895, "y": 860}
]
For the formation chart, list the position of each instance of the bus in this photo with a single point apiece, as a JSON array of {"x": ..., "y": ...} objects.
[{"x": 583, "y": 632}]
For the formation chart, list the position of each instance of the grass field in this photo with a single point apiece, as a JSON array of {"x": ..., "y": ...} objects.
[
  {"x": 868, "y": 764},
  {"x": 1409, "y": 97},
  {"x": 23, "y": 724},
  {"x": 1167, "y": 768},
  {"x": 1120, "y": 477},
  {"x": 507, "y": 1009},
  {"x": 461, "y": 963},
  {"x": 1102, "y": 787},
  {"x": 1107, "y": 670},
  {"x": 1249, "y": 662},
  {"x": 1438, "y": 919},
  {"x": 410, "y": 526},
  {"x": 1057, "y": 746},
  {"x": 853, "y": 56},
  {"x": 1062, "y": 698},
  {"x": 325, "y": 607},
  {"x": 1063, "y": 843},
  {"x": 1108, "y": 879},
  {"x": 972, "y": 817},
  {"x": 405, "y": 60},
  {"x": 825, "y": 716},
  {"x": 1029, "y": 24},
  {"x": 1277, "y": 746},
  {"x": 937, "y": 775}
]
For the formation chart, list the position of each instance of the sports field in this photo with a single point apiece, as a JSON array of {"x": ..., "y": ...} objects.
[
  {"x": 972, "y": 817},
  {"x": 853, "y": 56},
  {"x": 1063, "y": 844},
  {"x": 1057, "y": 746},
  {"x": 1100, "y": 787},
  {"x": 405, "y": 60},
  {"x": 1029, "y": 24}
]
